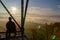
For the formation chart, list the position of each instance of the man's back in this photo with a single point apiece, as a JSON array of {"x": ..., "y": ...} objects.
[{"x": 11, "y": 26}]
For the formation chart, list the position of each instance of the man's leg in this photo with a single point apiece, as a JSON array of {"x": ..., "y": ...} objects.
[
  {"x": 15, "y": 35},
  {"x": 7, "y": 35}
]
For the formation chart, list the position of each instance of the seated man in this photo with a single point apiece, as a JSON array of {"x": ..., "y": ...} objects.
[{"x": 11, "y": 28}]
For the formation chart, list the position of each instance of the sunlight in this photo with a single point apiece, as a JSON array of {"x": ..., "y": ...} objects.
[{"x": 13, "y": 10}]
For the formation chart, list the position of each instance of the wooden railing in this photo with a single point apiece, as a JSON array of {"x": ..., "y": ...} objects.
[
  {"x": 18, "y": 35},
  {"x": 3, "y": 35}
]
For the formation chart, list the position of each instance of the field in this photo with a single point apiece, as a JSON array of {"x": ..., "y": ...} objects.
[{"x": 35, "y": 29}]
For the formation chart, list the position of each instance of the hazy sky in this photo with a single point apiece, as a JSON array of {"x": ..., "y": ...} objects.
[{"x": 36, "y": 7}]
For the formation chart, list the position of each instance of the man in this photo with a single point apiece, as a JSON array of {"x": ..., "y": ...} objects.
[{"x": 11, "y": 28}]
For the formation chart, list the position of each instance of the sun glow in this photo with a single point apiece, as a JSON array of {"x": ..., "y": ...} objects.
[{"x": 13, "y": 10}]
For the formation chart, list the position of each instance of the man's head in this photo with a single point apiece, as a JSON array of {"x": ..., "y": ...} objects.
[{"x": 10, "y": 19}]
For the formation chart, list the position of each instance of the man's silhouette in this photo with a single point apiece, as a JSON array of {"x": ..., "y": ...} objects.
[{"x": 11, "y": 28}]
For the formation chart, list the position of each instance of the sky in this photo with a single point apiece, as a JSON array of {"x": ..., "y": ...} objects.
[{"x": 35, "y": 7}]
